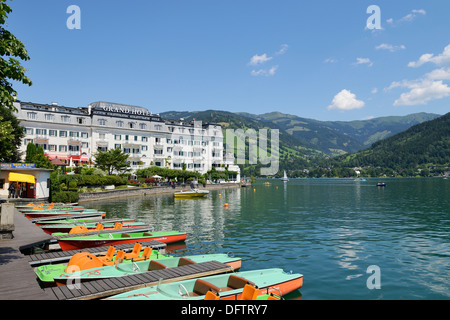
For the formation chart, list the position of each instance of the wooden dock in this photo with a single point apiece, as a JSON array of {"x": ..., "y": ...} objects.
[
  {"x": 17, "y": 278},
  {"x": 107, "y": 287}
]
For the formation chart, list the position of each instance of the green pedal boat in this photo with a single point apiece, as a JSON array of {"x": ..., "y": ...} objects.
[
  {"x": 86, "y": 261},
  {"x": 126, "y": 269},
  {"x": 229, "y": 286}
]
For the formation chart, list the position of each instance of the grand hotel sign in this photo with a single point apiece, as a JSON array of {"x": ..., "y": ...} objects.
[{"x": 122, "y": 111}]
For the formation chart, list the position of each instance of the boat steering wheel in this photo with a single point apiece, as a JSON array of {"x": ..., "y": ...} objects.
[{"x": 182, "y": 288}]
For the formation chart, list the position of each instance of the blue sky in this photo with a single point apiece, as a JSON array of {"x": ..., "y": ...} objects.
[{"x": 314, "y": 59}]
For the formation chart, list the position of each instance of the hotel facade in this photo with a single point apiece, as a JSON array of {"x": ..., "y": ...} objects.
[{"x": 72, "y": 136}]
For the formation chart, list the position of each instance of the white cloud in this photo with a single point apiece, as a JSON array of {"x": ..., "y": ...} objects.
[
  {"x": 264, "y": 72},
  {"x": 439, "y": 74},
  {"x": 421, "y": 91},
  {"x": 345, "y": 100},
  {"x": 390, "y": 47},
  {"x": 411, "y": 16},
  {"x": 374, "y": 90},
  {"x": 364, "y": 61},
  {"x": 441, "y": 59},
  {"x": 330, "y": 60},
  {"x": 283, "y": 49},
  {"x": 255, "y": 60}
]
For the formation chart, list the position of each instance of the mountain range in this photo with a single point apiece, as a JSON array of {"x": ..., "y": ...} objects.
[{"x": 309, "y": 136}]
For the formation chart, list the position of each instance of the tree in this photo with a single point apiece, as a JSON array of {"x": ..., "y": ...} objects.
[
  {"x": 10, "y": 47},
  {"x": 35, "y": 154},
  {"x": 112, "y": 160},
  {"x": 11, "y": 135}
]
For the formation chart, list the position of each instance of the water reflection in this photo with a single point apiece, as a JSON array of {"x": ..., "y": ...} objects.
[{"x": 330, "y": 230}]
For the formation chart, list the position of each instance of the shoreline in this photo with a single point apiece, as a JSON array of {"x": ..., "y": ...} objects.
[{"x": 134, "y": 192}]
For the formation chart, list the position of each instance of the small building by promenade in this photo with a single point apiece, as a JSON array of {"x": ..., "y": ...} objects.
[{"x": 29, "y": 182}]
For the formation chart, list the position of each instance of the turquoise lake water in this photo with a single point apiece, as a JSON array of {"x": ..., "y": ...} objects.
[{"x": 333, "y": 231}]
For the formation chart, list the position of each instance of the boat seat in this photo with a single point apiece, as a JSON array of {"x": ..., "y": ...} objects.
[
  {"x": 185, "y": 261},
  {"x": 109, "y": 255},
  {"x": 145, "y": 255},
  {"x": 135, "y": 252},
  {"x": 250, "y": 292},
  {"x": 212, "y": 295},
  {"x": 201, "y": 288},
  {"x": 147, "y": 234},
  {"x": 125, "y": 235},
  {"x": 119, "y": 257},
  {"x": 236, "y": 282},
  {"x": 155, "y": 265}
]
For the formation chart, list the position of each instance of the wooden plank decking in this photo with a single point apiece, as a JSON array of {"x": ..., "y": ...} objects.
[{"x": 17, "y": 279}]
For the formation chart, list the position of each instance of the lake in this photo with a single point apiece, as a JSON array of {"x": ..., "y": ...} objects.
[{"x": 344, "y": 236}]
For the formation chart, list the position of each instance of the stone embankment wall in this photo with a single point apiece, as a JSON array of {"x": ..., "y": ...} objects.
[{"x": 130, "y": 192}]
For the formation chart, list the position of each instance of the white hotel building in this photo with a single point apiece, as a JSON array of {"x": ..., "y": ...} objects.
[{"x": 73, "y": 136}]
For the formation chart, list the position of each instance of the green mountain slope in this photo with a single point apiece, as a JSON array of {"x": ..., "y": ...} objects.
[{"x": 423, "y": 144}]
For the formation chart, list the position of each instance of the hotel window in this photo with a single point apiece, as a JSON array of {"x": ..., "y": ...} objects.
[
  {"x": 157, "y": 151},
  {"x": 62, "y": 148},
  {"x": 53, "y": 133},
  {"x": 102, "y": 136},
  {"x": 81, "y": 121},
  {"x": 74, "y": 148},
  {"x": 73, "y": 134},
  {"x": 171, "y": 129},
  {"x": 102, "y": 149},
  {"x": 65, "y": 118},
  {"x": 85, "y": 135},
  {"x": 126, "y": 150},
  {"x": 117, "y": 137},
  {"x": 143, "y": 126},
  {"x": 158, "y": 127},
  {"x": 144, "y": 148},
  {"x": 136, "y": 150},
  {"x": 85, "y": 145},
  {"x": 63, "y": 134},
  {"x": 144, "y": 139},
  {"x": 27, "y": 141},
  {"x": 135, "y": 138},
  {"x": 31, "y": 115},
  {"x": 169, "y": 149},
  {"x": 131, "y": 125},
  {"x": 41, "y": 132},
  {"x": 169, "y": 141},
  {"x": 119, "y": 124},
  {"x": 158, "y": 163},
  {"x": 29, "y": 130},
  {"x": 102, "y": 122},
  {"x": 49, "y": 117},
  {"x": 52, "y": 147},
  {"x": 117, "y": 146}
]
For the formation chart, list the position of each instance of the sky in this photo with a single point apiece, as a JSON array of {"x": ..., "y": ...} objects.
[{"x": 325, "y": 60}]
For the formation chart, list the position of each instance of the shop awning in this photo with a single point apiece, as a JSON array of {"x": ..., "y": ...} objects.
[{"x": 20, "y": 177}]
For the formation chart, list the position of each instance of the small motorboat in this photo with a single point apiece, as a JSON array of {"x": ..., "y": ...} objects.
[
  {"x": 113, "y": 239},
  {"x": 229, "y": 286},
  {"x": 54, "y": 213},
  {"x": 381, "y": 184},
  {"x": 193, "y": 193},
  {"x": 285, "y": 178}
]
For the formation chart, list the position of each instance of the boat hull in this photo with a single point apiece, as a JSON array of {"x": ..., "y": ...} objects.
[
  {"x": 67, "y": 244},
  {"x": 268, "y": 281},
  {"x": 50, "y": 229}
]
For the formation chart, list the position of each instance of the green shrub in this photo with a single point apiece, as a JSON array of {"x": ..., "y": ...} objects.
[{"x": 65, "y": 196}]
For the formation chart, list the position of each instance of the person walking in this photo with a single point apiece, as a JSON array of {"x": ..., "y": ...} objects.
[{"x": 11, "y": 189}]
